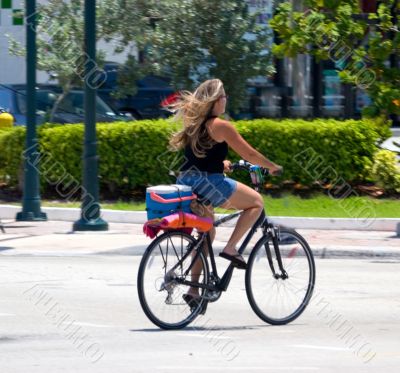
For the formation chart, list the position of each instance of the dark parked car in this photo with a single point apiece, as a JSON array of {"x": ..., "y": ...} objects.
[
  {"x": 70, "y": 110},
  {"x": 152, "y": 91}
]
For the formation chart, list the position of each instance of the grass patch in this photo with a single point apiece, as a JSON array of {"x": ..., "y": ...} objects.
[
  {"x": 289, "y": 205},
  {"x": 327, "y": 207}
]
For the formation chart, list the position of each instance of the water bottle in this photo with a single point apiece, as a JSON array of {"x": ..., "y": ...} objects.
[{"x": 256, "y": 175}]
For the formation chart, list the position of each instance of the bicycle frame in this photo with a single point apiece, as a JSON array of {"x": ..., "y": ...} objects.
[{"x": 223, "y": 283}]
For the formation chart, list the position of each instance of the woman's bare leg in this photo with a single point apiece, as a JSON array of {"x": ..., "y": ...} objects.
[
  {"x": 198, "y": 266},
  {"x": 246, "y": 199},
  {"x": 252, "y": 204}
]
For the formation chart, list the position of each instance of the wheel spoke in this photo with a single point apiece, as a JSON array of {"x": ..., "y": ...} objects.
[
  {"x": 173, "y": 246},
  {"x": 162, "y": 254}
]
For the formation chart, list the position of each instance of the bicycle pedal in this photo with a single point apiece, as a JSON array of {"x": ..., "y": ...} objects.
[{"x": 169, "y": 299}]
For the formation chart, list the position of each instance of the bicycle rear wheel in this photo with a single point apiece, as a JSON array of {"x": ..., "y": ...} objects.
[
  {"x": 275, "y": 300},
  {"x": 159, "y": 288}
]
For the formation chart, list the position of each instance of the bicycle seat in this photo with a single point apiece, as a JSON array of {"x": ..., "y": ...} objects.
[{"x": 198, "y": 207}]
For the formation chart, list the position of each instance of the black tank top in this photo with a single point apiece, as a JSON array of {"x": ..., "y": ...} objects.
[{"x": 213, "y": 160}]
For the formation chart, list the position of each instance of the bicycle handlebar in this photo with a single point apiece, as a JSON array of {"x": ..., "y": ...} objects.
[
  {"x": 244, "y": 165},
  {"x": 257, "y": 173}
]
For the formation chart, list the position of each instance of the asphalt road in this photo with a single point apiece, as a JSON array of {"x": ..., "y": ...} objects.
[{"x": 80, "y": 313}]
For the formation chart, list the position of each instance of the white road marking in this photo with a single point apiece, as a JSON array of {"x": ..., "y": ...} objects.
[
  {"x": 243, "y": 369},
  {"x": 321, "y": 347},
  {"x": 94, "y": 325},
  {"x": 6, "y": 314}
]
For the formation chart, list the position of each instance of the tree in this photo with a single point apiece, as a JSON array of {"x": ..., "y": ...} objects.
[
  {"x": 193, "y": 40},
  {"x": 127, "y": 23},
  {"x": 60, "y": 42},
  {"x": 189, "y": 40},
  {"x": 364, "y": 47}
]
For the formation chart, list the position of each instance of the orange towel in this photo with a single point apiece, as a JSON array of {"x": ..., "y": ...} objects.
[
  {"x": 186, "y": 220},
  {"x": 180, "y": 220}
]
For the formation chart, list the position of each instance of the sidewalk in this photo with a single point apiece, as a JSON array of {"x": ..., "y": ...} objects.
[{"x": 55, "y": 238}]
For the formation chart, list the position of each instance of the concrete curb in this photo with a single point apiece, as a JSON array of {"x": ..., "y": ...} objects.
[
  {"x": 73, "y": 214},
  {"x": 387, "y": 224},
  {"x": 139, "y": 217},
  {"x": 320, "y": 252}
]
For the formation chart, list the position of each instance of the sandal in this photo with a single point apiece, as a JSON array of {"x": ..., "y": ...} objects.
[
  {"x": 237, "y": 260},
  {"x": 194, "y": 302}
]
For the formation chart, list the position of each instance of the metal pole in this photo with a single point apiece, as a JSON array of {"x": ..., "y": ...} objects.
[
  {"x": 279, "y": 80},
  {"x": 31, "y": 197},
  {"x": 349, "y": 101},
  {"x": 279, "y": 77},
  {"x": 317, "y": 87},
  {"x": 90, "y": 211}
]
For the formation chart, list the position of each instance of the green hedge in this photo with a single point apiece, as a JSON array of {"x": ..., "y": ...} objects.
[
  {"x": 386, "y": 170},
  {"x": 134, "y": 154},
  {"x": 12, "y": 143},
  {"x": 343, "y": 149}
]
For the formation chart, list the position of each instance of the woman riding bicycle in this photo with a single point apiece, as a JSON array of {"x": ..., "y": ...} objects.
[{"x": 205, "y": 139}]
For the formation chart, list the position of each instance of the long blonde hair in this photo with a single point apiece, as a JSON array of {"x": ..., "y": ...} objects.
[{"x": 193, "y": 109}]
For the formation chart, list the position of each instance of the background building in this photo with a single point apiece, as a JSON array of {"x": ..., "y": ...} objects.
[{"x": 13, "y": 68}]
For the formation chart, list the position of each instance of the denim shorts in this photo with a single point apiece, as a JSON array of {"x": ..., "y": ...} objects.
[{"x": 209, "y": 187}]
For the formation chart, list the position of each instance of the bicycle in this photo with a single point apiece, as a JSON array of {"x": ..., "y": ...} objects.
[{"x": 279, "y": 278}]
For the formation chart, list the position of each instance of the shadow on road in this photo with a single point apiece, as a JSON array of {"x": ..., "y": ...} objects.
[
  {"x": 15, "y": 238},
  {"x": 215, "y": 328}
]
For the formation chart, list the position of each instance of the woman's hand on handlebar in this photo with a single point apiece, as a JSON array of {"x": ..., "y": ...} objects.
[
  {"x": 227, "y": 166},
  {"x": 276, "y": 170}
]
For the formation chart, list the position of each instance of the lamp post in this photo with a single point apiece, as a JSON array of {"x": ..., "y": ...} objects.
[
  {"x": 31, "y": 196},
  {"x": 90, "y": 211}
]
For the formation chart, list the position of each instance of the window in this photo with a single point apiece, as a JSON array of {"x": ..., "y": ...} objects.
[
  {"x": 5, "y": 100},
  {"x": 45, "y": 100}
]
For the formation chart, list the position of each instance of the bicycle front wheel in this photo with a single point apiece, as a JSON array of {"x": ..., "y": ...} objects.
[
  {"x": 277, "y": 299},
  {"x": 161, "y": 276}
]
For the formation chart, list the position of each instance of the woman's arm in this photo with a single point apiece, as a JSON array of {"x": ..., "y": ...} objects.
[{"x": 222, "y": 130}]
